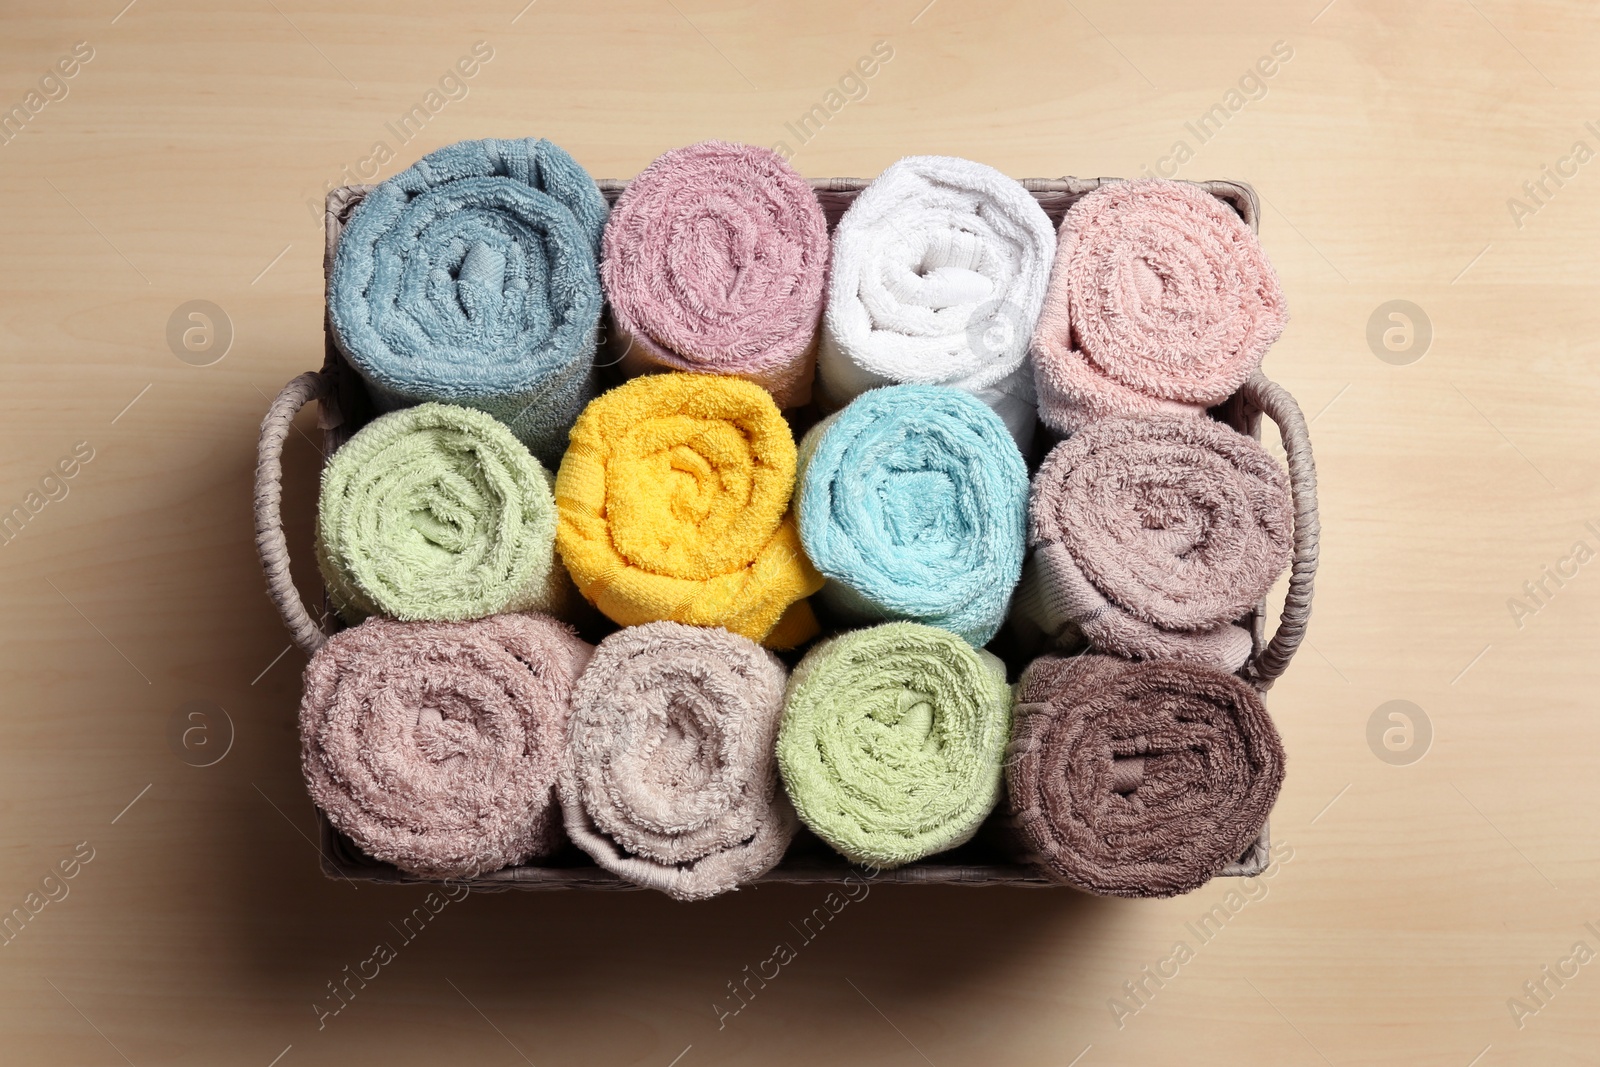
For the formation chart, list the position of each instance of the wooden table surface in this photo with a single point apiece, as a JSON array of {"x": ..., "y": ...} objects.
[{"x": 1430, "y": 867}]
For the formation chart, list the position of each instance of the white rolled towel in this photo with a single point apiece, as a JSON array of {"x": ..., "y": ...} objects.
[{"x": 939, "y": 273}]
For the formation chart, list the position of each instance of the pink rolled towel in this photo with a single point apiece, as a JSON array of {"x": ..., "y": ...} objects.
[
  {"x": 714, "y": 261},
  {"x": 435, "y": 746},
  {"x": 671, "y": 779},
  {"x": 1160, "y": 299},
  {"x": 1152, "y": 535}
]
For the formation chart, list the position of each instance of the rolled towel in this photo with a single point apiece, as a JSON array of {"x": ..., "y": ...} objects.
[
  {"x": 471, "y": 277},
  {"x": 714, "y": 261},
  {"x": 892, "y": 739},
  {"x": 674, "y": 505},
  {"x": 1152, "y": 535},
  {"x": 437, "y": 512},
  {"x": 1138, "y": 779},
  {"x": 913, "y": 502},
  {"x": 1161, "y": 299},
  {"x": 670, "y": 780},
  {"x": 436, "y": 746},
  {"x": 939, "y": 271}
]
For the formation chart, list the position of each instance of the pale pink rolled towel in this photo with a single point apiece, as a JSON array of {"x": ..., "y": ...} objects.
[
  {"x": 1160, "y": 299},
  {"x": 714, "y": 261},
  {"x": 1150, "y": 536},
  {"x": 435, "y": 746}
]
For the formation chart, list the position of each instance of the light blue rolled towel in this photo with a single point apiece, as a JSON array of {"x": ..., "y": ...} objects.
[
  {"x": 472, "y": 278},
  {"x": 913, "y": 503}
]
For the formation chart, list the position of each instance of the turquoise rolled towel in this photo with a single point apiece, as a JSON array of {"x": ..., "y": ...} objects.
[
  {"x": 472, "y": 278},
  {"x": 913, "y": 504}
]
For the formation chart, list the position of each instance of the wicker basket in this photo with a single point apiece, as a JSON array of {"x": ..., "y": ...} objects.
[{"x": 345, "y": 407}]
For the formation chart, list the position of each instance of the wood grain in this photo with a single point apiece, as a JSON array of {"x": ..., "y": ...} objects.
[{"x": 1410, "y": 903}]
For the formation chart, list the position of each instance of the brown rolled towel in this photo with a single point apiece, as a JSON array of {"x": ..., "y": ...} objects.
[
  {"x": 1138, "y": 779},
  {"x": 435, "y": 746},
  {"x": 670, "y": 780},
  {"x": 1152, "y": 535}
]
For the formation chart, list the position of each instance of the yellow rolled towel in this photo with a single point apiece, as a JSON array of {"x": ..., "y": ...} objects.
[{"x": 673, "y": 502}]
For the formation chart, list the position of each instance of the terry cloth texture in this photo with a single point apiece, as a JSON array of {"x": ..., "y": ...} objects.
[
  {"x": 670, "y": 780},
  {"x": 435, "y": 746},
  {"x": 437, "y": 512},
  {"x": 714, "y": 261},
  {"x": 674, "y": 505},
  {"x": 1152, "y": 535},
  {"x": 913, "y": 503},
  {"x": 939, "y": 271},
  {"x": 892, "y": 739},
  {"x": 472, "y": 278},
  {"x": 1138, "y": 779},
  {"x": 1161, "y": 299}
]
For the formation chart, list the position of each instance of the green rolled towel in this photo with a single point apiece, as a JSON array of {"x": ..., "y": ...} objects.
[
  {"x": 892, "y": 741},
  {"x": 437, "y": 512}
]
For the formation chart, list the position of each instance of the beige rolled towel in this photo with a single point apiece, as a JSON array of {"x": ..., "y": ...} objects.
[{"x": 670, "y": 780}]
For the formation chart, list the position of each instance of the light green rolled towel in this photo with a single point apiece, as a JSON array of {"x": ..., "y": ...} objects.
[
  {"x": 892, "y": 741},
  {"x": 437, "y": 512}
]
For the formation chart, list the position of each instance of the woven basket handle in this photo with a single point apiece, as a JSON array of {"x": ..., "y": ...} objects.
[
  {"x": 1276, "y": 403},
  {"x": 271, "y": 544}
]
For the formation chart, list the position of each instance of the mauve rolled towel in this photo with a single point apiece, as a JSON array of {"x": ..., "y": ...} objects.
[
  {"x": 435, "y": 746},
  {"x": 1138, "y": 779},
  {"x": 714, "y": 261},
  {"x": 1160, "y": 299},
  {"x": 1153, "y": 535},
  {"x": 671, "y": 781}
]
